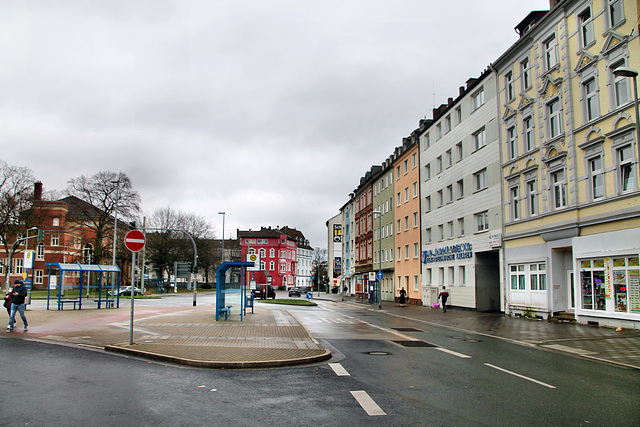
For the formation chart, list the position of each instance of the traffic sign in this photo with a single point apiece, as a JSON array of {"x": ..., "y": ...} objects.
[
  {"x": 379, "y": 275},
  {"x": 309, "y": 295},
  {"x": 134, "y": 240}
]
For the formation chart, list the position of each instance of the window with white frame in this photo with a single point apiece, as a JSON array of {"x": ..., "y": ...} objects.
[
  {"x": 447, "y": 123},
  {"x": 449, "y": 193},
  {"x": 460, "y": 227},
  {"x": 399, "y": 253},
  {"x": 591, "y": 109},
  {"x": 439, "y": 164},
  {"x": 529, "y": 136},
  {"x": 554, "y": 118},
  {"x": 272, "y": 265},
  {"x": 398, "y": 199},
  {"x": 55, "y": 240},
  {"x": 56, "y": 222},
  {"x": 18, "y": 266},
  {"x": 514, "y": 201},
  {"x": 551, "y": 52},
  {"x": 416, "y": 221},
  {"x": 460, "y": 188},
  {"x": 479, "y": 139},
  {"x": 448, "y": 158},
  {"x": 406, "y": 222},
  {"x": 427, "y": 204},
  {"x": 427, "y": 235},
  {"x": 482, "y": 221},
  {"x": 427, "y": 172},
  {"x": 450, "y": 229},
  {"x": 406, "y": 166},
  {"x": 585, "y": 21},
  {"x": 272, "y": 253},
  {"x": 508, "y": 87},
  {"x": 438, "y": 131},
  {"x": 615, "y": 12},
  {"x": 532, "y": 197},
  {"x": 440, "y": 198},
  {"x": 480, "y": 180},
  {"x": 416, "y": 250},
  {"x": 415, "y": 190},
  {"x": 625, "y": 168},
  {"x": 512, "y": 142},
  {"x": 459, "y": 151},
  {"x": 533, "y": 274},
  {"x": 458, "y": 115},
  {"x": 525, "y": 73},
  {"x": 620, "y": 87},
  {"x": 39, "y": 277},
  {"x": 440, "y": 232},
  {"x": 596, "y": 177},
  {"x": 398, "y": 226},
  {"x": 559, "y": 189},
  {"x": 414, "y": 158},
  {"x": 406, "y": 194},
  {"x": 262, "y": 252},
  {"x": 477, "y": 99},
  {"x": 40, "y": 251},
  {"x": 416, "y": 283}
]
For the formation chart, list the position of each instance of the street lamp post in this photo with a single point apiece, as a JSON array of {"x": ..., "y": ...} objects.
[
  {"x": 379, "y": 257},
  {"x": 115, "y": 223},
  {"x": 223, "y": 215},
  {"x": 629, "y": 72}
]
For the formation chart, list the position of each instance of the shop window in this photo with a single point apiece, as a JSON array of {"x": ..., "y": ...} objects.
[
  {"x": 626, "y": 288},
  {"x": 592, "y": 282}
]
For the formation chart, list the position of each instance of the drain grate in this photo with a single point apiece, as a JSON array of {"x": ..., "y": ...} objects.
[
  {"x": 407, "y": 329},
  {"x": 414, "y": 344}
]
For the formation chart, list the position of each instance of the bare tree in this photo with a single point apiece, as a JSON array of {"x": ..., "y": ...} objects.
[
  {"x": 319, "y": 262},
  {"x": 16, "y": 197},
  {"x": 101, "y": 193}
]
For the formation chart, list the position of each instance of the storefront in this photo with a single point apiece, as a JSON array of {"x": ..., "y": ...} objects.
[{"x": 606, "y": 285}]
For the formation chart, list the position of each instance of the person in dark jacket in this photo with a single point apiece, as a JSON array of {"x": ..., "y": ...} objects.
[
  {"x": 17, "y": 305},
  {"x": 444, "y": 294},
  {"x": 403, "y": 296}
]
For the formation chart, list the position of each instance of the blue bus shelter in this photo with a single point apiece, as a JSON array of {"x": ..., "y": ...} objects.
[
  {"x": 221, "y": 288},
  {"x": 104, "y": 272}
]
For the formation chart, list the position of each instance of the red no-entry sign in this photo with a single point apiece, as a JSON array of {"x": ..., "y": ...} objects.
[{"x": 134, "y": 240}]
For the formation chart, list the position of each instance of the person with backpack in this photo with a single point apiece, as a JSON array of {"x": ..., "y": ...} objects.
[
  {"x": 444, "y": 294},
  {"x": 17, "y": 305}
]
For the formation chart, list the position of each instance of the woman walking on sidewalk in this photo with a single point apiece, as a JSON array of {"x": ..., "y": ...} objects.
[{"x": 17, "y": 304}]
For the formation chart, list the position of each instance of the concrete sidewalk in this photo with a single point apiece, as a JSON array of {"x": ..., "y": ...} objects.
[{"x": 189, "y": 336}]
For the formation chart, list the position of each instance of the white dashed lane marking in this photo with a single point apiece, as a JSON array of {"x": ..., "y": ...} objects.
[
  {"x": 367, "y": 403},
  {"x": 519, "y": 376},
  {"x": 455, "y": 353},
  {"x": 339, "y": 370}
]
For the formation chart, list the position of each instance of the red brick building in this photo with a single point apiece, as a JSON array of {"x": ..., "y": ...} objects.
[{"x": 278, "y": 255}]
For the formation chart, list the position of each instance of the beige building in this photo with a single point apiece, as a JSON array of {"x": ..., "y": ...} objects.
[{"x": 569, "y": 152}]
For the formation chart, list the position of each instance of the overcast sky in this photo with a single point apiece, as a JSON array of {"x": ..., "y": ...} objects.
[{"x": 268, "y": 110}]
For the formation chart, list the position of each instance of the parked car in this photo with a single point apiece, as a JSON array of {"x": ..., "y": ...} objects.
[
  {"x": 264, "y": 292},
  {"x": 126, "y": 291},
  {"x": 295, "y": 291}
]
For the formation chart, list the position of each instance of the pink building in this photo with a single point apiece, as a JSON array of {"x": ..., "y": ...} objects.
[{"x": 278, "y": 255}]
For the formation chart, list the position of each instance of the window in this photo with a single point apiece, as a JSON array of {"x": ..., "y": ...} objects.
[
  {"x": 263, "y": 241},
  {"x": 460, "y": 227},
  {"x": 414, "y": 160},
  {"x": 625, "y": 272},
  {"x": 406, "y": 222},
  {"x": 262, "y": 252},
  {"x": 427, "y": 172},
  {"x": 56, "y": 222},
  {"x": 415, "y": 190},
  {"x": 18, "y": 266},
  {"x": 482, "y": 221},
  {"x": 458, "y": 115},
  {"x": 55, "y": 240},
  {"x": 512, "y": 142},
  {"x": 416, "y": 283},
  {"x": 620, "y": 87},
  {"x": 477, "y": 100},
  {"x": 406, "y": 166},
  {"x": 440, "y": 200},
  {"x": 398, "y": 199},
  {"x": 449, "y": 157},
  {"x": 462, "y": 275},
  {"x": 532, "y": 197},
  {"x": 590, "y": 100},
  {"x": 596, "y": 178},
  {"x": 592, "y": 283},
  {"x": 559, "y": 189},
  {"x": 441, "y": 232},
  {"x": 450, "y": 229},
  {"x": 529, "y": 138},
  {"x": 406, "y": 194},
  {"x": 272, "y": 253},
  {"x": 439, "y": 164},
  {"x": 427, "y": 204},
  {"x": 447, "y": 124},
  {"x": 508, "y": 87},
  {"x": 517, "y": 277},
  {"x": 449, "y": 193},
  {"x": 460, "y": 185},
  {"x": 87, "y": 254},
  {"x": 427, "y": 235},
  {"x": 459, "y": 151},
  {"x": 587, "y": 36},
  {"x": 272, "y": 265},
  {"x": 514, "y": 201},
  {"x": 399, "y": 254},
  {"x": 625, "y": 168},
  {"x": 39, "y": 277},
  {"x": 554, "y": 119},
  {"x": 427, "y": 140},
  {"x": 398, "y": 226},
  {"x": 438, "y": 131},
  {"x": 40, "y": 251},
  {"x": 533, "y": 274},
  {"x": 525, "y": 72},
  {"x": 416, "y": 222},
  {"x": 480, "y": 179},
  {"x": 479, "y": 139},
  {"x": 551, "y": 52},
  {"x": 416, "y": 250},
  {"x": 616, "y": 13}
]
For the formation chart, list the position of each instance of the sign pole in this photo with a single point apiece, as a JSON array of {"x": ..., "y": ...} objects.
[{"x": 133, "y": 293}]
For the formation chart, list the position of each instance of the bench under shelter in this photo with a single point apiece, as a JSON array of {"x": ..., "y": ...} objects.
[{"x": 73, "y": 276}]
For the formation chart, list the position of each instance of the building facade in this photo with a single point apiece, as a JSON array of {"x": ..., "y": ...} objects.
[
  {"x": 461, "y": 204},
  {"x": 363, "y": 230},
  {"x": 570, "y": 164},
  {"x": 278, "y": 255},
  {"x": 383, "y": 235}
]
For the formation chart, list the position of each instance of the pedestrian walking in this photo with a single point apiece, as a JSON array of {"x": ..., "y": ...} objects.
[
  {"x": 403, "y": 296},
  {"x": 7, "y": 301},
  {"x": 17, "y": 305},
  {"x": 444, "y": 294}
]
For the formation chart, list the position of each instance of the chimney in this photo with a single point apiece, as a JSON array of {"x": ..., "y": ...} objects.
[{"x": 37, "y": 191}]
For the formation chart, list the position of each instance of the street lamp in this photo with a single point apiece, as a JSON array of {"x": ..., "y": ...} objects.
[
  {"x": 629, "y": 72},
  {"x": 223, "y": 215},
  {"x": 115, "y": 221},
  {"x": 379, "y": 256}
]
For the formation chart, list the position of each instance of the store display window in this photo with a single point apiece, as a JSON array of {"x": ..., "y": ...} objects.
[{"x": 614, "y": 279}]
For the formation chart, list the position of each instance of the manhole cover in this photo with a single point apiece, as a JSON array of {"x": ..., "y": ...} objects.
[
  {"x": 414, "y": 344},
  {"x": 377, "y": 353},
  {"x": 407, "y": 329}
]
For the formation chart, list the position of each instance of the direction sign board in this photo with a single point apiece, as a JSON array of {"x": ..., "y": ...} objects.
[{"x": 134, "y": 240}]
